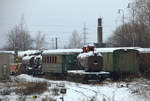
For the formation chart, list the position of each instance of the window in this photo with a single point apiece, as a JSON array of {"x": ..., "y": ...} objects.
[
  {"x": 52, "y": 59},
  {"x": 55, "y": 59},
  {"x": 49, "y": 59}
]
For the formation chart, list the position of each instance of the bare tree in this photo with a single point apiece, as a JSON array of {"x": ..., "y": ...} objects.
[
  {"x": 122, "y": 36},
  {"x": 75, "y": 40},
  {"x": 19, "y": 38},
  {"x": 39, "y": 41}
]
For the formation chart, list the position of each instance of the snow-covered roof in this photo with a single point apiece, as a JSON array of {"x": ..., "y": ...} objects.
[
  {"x": 84, "y": 55},
  {"x": 144, "y": 50},
  {"x": 9, "y": 52},
  {"x": 98, "y": 50},
  {"x": 110, "y": 50},
  {"x": 27, "y": 57},
  {"x": 62, "y": 51},
  {"x": 72, "y": 51},
  {"x": 22, "y": 53}
]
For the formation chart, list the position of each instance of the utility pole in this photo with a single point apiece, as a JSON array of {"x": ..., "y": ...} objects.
[
  {"x": 133, "y": 22},
  {"x": 123, "y": 20},
  {"x": 52, "y": 43},
  {"x": 123, "y": 17},
  {"x": 56, "y": 42},
  {"x": 84, "y": 34}
]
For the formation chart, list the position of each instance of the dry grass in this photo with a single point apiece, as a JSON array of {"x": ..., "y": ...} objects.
[
  {"x": 55, "y": 91},
  {"x": 32, "y": 88}
]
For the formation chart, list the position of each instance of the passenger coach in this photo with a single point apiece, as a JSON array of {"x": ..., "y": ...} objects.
[{"x": 59, "y": 61}]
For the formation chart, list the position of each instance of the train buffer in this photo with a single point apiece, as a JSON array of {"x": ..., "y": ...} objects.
[{"x": 82, "y": 76}]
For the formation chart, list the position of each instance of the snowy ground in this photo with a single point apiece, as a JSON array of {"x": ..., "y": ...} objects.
[{"x": 138, "y": 90}]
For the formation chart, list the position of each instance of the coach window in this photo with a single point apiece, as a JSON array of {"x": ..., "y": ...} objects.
[
  {"x": 50, "y": 59},
  {"x": 55, "y": 59}
]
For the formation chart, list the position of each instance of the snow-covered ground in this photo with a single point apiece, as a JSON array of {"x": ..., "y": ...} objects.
[{"x": 138, "y": 90}]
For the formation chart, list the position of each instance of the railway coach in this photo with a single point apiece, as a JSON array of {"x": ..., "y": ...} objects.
[
  {"x": 60, "y": 61},
  {"x": 122, "y": 61}
]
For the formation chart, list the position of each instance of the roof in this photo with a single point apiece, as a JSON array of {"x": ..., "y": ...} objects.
[
  {"x": 28, "y": 52},
  {"x": 62, "y": 51},
  {"x": 88, "y": 54},
  {"x": 8, "y": 52},
  {"x": 29, "y": 57},
  {"x": 73, "y": 51},
  {"x": 110, "y": 50},
  {"x": 144, "y": 50}
]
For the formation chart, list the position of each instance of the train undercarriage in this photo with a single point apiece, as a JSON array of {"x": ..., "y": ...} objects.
[{"x": 87, "y": 77}]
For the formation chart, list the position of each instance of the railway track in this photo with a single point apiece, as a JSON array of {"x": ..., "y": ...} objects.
[{"x": 96, "y": 93}]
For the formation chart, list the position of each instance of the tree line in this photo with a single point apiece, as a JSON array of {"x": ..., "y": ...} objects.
[
  {"x": 19, "y": 38},
  {"x": 136, "y": 31}
]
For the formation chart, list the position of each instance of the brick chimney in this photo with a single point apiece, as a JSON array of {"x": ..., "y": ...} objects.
[{"x": 99, "y": 32}]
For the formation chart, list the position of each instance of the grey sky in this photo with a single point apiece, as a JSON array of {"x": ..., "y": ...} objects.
[{"x": 60, "y": 17}]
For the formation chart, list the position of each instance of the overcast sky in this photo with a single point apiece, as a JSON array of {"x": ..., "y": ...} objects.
[{"x": 58, "y": 18}]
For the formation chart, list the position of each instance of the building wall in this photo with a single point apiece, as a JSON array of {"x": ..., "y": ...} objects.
[{"x": 6, "y": 59}]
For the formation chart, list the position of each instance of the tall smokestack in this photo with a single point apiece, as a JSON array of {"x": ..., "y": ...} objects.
[{"x": 99, "y": 32}]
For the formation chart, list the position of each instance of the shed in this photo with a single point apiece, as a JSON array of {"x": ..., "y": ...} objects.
[{"x": 6, "y": 59}]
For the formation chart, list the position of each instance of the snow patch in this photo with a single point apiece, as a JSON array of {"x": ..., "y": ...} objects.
[{"x": 27, "y": 78}]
